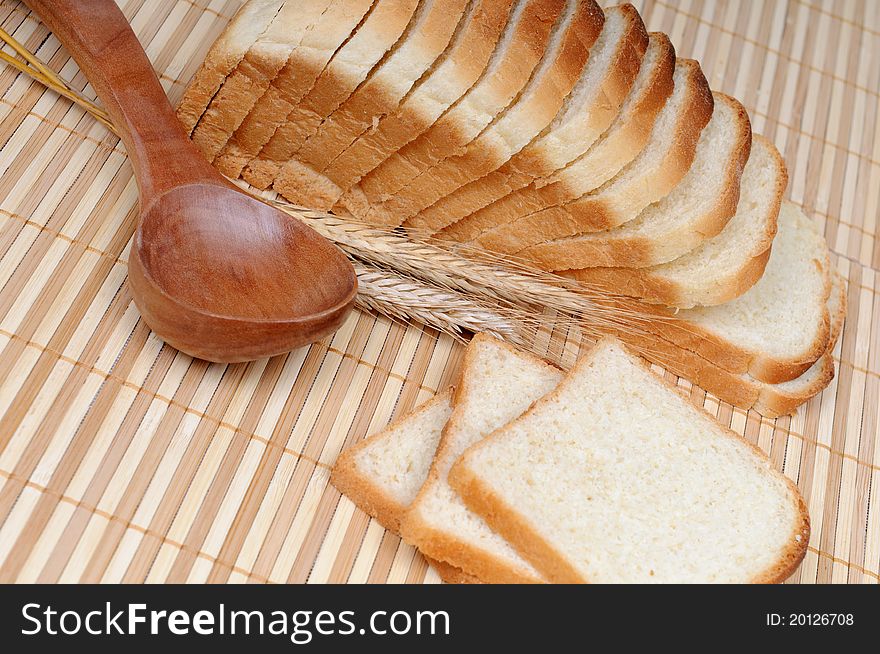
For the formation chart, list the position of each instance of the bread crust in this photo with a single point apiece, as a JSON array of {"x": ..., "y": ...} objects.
[
  {"x": 228, "y": 50},
  {"x": 527, "y": 117},
  {"x": 653, "y": 285},
  {"x": 450, "y": 574},
  {"x": 456, "y": 128},
  {"x": 301, "y": 179},
  {"x": 612, "y": 205},
  {"x": 616, "y": 248},
  {"x": 461, "y": 66},
  {"x": 519, "y": 532},
  {"x": 528, "y": 539},
  {"x": 498, "y": 196}
]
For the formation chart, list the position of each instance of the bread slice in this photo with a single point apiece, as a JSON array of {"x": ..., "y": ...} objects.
[
  {"x": 457, "y": 70},
  {"x": 301, "y": 180},
  {"x": 383, "y": 27},
  {"x": 783, "y": 398},
  {"x": 663, "y": 162},
  {"x": 312, "y": 49},
  {"x": 742, "y": 389},
  {"x": 519, "y": 51},
  {"x": 479, "y": 206},
  {"x": 249, "y": 22},
  {"x": 695, "y": 211},
  {"x": 616, "y": 477},
  {"x": 250, "y": 79},
  {"x": 383, "y": 473},
  {"x": 725, "y": 266},
  {"x": 536, "y": 106},
  {"x": 497, "y": 384},
  {"x": 778, "y": 328}
]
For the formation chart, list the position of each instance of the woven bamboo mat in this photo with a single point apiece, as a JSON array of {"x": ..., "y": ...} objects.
[{"x": 124, "y": 460}]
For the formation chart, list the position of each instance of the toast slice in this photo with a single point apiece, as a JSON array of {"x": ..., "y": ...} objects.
[
  {"x": 616, "y": 477},
  {"x": 437, "y": 522},
  {"x": 454, "y": 73},
  {"x": 662, "y": 163},
  {"x": 518, "y": 53},
  {"x": 536, "y": 106},
  {"x": 695, "y": 211},
  {"x": 725, "y": 266},
  {"x": 245, "y": 28},
  {"x": 250, "y": 79},
  {"x": 503, "y": 196},
  {"x": 383, "y": 473},
  {"x": 382, "y": 28},
  {"x": 301, "y": 180},
  {"x": 305, "y": 61}
]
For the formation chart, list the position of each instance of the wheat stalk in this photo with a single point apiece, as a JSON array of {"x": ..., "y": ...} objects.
[{"x": 449, "y": 287}]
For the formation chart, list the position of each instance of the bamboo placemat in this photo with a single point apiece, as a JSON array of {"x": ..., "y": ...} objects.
[{"x": 124, "y": 460}]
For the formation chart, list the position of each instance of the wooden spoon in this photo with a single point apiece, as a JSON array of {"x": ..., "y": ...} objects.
[{"x": 215, "y": 273}]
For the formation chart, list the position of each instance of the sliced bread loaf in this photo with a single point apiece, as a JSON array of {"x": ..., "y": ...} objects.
[
  {"x": 383, "y": 473},
  {"x": 383, "y": 27},
  {"x": 695, "y": 211},
  {"x": 663, "y": 162},
  {"x": 301, "y": 180},
  {"x": 249, "y": 22},
  {"x": 588, "y": 110},
  {"x": 305, "y": 61},
  {"x": 725, "y": 266},
  {"x": 616, "y": 477},
  {"x": 250, "y": 79},
  {"x": 536, "y": 106},
  {"x": 497, "y": 384},
  {"x": 456, "y": 71},
  {"x": 479, "y": 206},
  {"x": 518, "y": 53}
]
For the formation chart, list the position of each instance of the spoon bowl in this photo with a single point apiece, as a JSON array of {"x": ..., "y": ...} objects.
[{"x": 218, "y": 274}]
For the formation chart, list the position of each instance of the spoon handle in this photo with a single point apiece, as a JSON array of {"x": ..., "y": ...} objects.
[{"x": 101, "y": 41}]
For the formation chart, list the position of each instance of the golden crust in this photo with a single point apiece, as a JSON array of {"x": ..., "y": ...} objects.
[
  {"x": 302, "y": 180},
  {"x": 445, "y": 546},
  {"x": 227, "y": 51},
  {"x": 299, "y": 72},
  {"x": 382, "y": 28},
  {"x": 533, "y": 545},
  {"x": 450, "y": 574}
]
